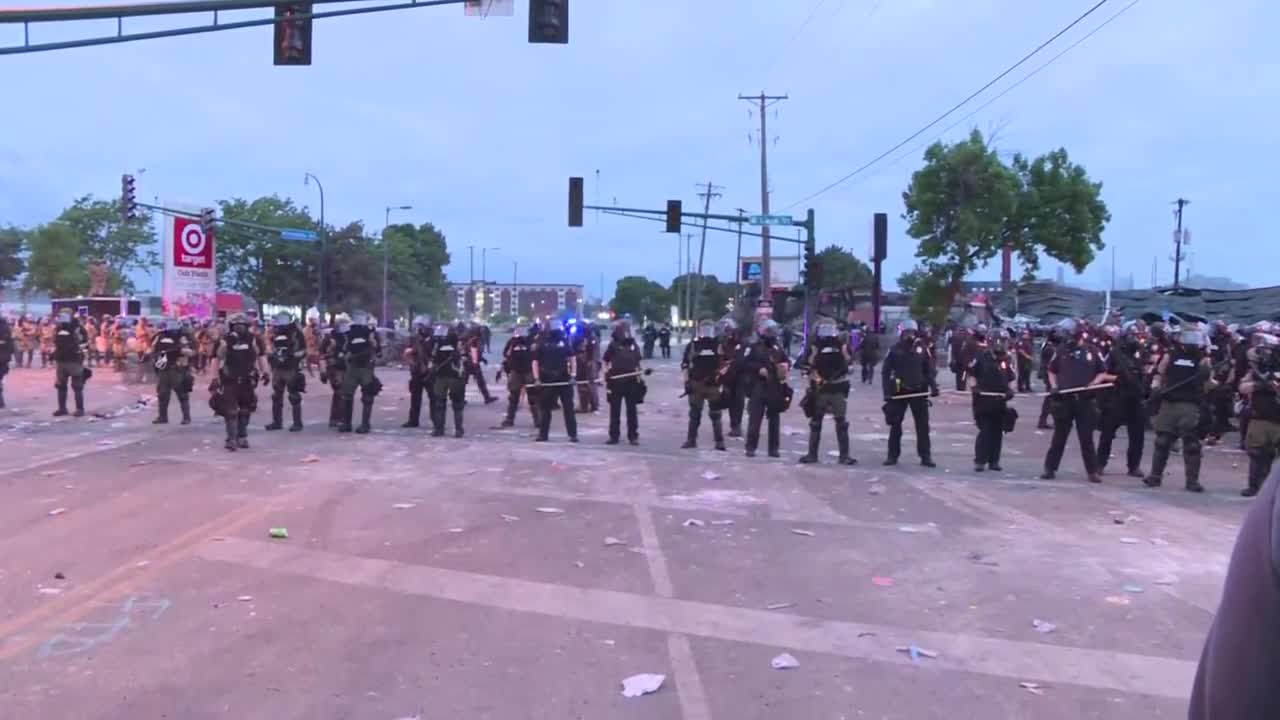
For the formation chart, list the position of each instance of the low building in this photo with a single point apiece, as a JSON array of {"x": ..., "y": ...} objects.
[{"x": 530, "y": 300}]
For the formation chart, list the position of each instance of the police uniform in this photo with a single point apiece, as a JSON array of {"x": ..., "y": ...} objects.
[
  {"x": 68, "y": 355},
  {"x": 829, "y": 370},
  {"x": 991, "y": 372},
  {"x": 1183, "y": 372},
  {"x": 518, "y": 363},
  {"x": 701, "y": 364},
  {"x": 1025, "y": 351},
  {"x": 333, "y": 349},
  {"x": 449, "y": 383},
  {"x": 1218, "y": 400},
  {"x": 238, "y": 369},
  {"x": 908, "y": 370},
  {"x": 6, "y": 354},
  {"x": 733, "y": 382},
  {"x": 288, "y": 348},
  {"x": 1263, "y": 439},
  {"x": 622, "y": 357},
  {"x": 421, "y": 347},
  {"x": 361, "y": 349},
  {"x": 474, "y": 358},
  {"x": 664, "y": 341},
  {"x": 1124, "y": 406},
  {"x": 171, "y": 353},
  {"x": 1046, "y": 356},
  {"x": 1074, "y": 365},
  {"x": 585, "y": 351},
  {"x": 553, "y": 365},
  {"x": 765, "y": 394}
]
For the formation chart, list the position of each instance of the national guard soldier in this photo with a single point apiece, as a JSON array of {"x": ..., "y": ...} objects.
[
  {"x": 664, "y": 340},
  {"x": 236, "y": 369},
  {"x": 288, "y": 349},
  {"x": 361, "y": 351},
  {"x": 1047, "y": 351},
  {"x": 1025, "y": 352},
  {"x": 700, "y": 367},
  {"x": 1179, "y": 384},
  {"x": 418, "y": 356},
  {"x": 471, "y": 344},
  {"x": 767, "y": 366},
  {"x": 449, "y": 384},
  {"x": 1124, "y": 405},
  {"x": 829, "y": 361},
  {"x": 733, "y": 394},
  {"x": 6, "y": 354},
  {"x": 586, "y": 349},
  {"x": 171, "y": 355},
  {"x": 69, "y": 343},
  {"x": 906, "y": 378},
  {"x": 517, "y": 362},
  {"x": 1075, "y": 366},
  {"x": 1222, "y": 351},
  {"x": 624, "y": 383},
  {"x": 333, "y": 353},
  {"x": 553, "y": 370},
  {"x": 1261, "y": 387},
  {"x": 990, "y": 376}
]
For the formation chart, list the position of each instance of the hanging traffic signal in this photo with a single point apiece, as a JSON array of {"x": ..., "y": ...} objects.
[
  {"x": 812, "y": 267},
  {"x": 293, "y": 35},
  {"x": 575, "y": 202},
  {"x": 207, "y": 222},
  {"x": 674, "y": 213},
  {"x": 128, "y": 198},
  {"x": 549, "y": 21}
]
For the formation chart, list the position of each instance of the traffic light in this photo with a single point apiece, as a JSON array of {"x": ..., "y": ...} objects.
[
  {"x": 206, "y": 222},
  {"x": 674, "y": 212},
  {"x": 575, "y": 202},
  {"x": 549, "y": 21},
  {"x": 128, "y": 198},
  {"x": 293, "y": 36},
  {"x": 812, "y": 267}
]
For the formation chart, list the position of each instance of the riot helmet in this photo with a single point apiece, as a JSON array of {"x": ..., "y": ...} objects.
[
  {"x": 908, "y": 330},
  {"x": 768, "y": 330},
  {"x": 422, "y": 324},
  {"x": 64, "y": 317},
  {"x": 281, "y": 319},
  {"x": 826, "y": 329},
  {"x": 706, "y": 330},
  {"x": 728, "y": 327},
  {"x": 342, "y": 323},
  {"x": 172, "y": 325},
  {"x": 1191, "y": 338},
  {"x": 238, "y": 322},
  {"x": 361, "y": 318},
  {"x": 621, "y": 330}
]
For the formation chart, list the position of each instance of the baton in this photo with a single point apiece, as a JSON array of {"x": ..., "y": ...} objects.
[
  {"x": 992, "y": 394},
  {"x": 926, "y": 393},
  {"x": 1072, "y": 391}
]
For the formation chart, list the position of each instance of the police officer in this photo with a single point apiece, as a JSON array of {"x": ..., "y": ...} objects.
[
  {"x": 287, "y": 348},
  {"x": 829, "y": 361},
  {"x": 517, "y": 362},
  {"x": 733, "y": 383},
  {"x": 1219, "y": 400},
  {"x": 1051, "y": 342},
  {"x": 471, "y": 343},
  {"x": 907, "y": 375},
  {"x": 767, "y": 366},
  {"x": 699, "y": 369},
  {"x": 171, "y": 355},
  {"x": 624, "y": 383},
  {"x": 664, "y": 340},
  {"x": 1123, "y": 405},
  {"x": 990, "y": 375},
  {"x": 6, "y": 354},
  {"x": 586, "y": 348},
  {"x": 1262, "y": 388},
  {"x": 333, "y": 353},
  {"x": 1179, "y": 384},
  {"x": 449, "y": 380},
  {"x": 237, "y": 366},
  {"x": 418, "y": 356},
  {"x": 1075, "y": 365},
  {"x": 362, "y": 350},
  {"x": 69, "y": 342},
  {"x": 553, "y": 370},
  {"x": 1025, "y": 352}
]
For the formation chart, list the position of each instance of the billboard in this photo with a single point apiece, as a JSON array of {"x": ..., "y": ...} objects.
[
  {"x": 785, "y": 271},
  {"x": 190, "y": 273}
]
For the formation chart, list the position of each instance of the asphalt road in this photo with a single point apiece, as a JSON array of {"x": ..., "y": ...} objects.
[{"x": 492, "y": 577}]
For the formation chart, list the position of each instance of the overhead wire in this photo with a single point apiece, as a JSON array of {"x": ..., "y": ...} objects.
[
  {"x": 955, "y": 107},
  {"x": 786, "y": 47}
]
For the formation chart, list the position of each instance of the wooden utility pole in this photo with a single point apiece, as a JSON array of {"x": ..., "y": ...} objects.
[
  {"x": 762, "y": 103},
  {"x": 1177, "y": 242},
  {"x": 706, "y": 196}
]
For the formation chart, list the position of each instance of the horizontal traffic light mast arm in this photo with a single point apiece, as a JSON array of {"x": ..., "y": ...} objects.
[
  {"x": 709, "y": 216},
  {"x": 7, "y": 16},
  {"x": 627, "y": 212},
  {"x": 105, "y": 12},
  {"x": 275, "y": 231}
]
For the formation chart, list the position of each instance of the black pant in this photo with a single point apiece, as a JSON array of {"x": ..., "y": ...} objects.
[
  {"x": 986, "y": 448},
  {"x": 1220, "y": 404},
  {"x": 549, "y": 395},
  {"x": 868, "y": 370},
  {"x": 757, "y": 409},
  {"x": 1131, "y": 414},
  {"x": 622, "y": 392},
  {"x": 961, "y": 376},
  {"x": 896, "y": 411},
  {"x": 1067, "y": 409},
  {"x": 666, "y": 349},
  {"x": 734, "y": 396},
  {"x": 474, "y": 371},
  {"x": 1045, "y": 406},
  {"x": 1024, "y": 376}
]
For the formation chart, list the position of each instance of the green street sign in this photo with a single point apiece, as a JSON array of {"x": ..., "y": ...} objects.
[{"x": 770, "y": 220}]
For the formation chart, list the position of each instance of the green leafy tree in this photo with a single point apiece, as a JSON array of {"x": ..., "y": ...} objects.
[
  {"x": 416, "y": 260},
  {"x": 13, "y": 242},
  {"x": 712, "y": 295},
  {"x": 104, "y": 235},
  {"x": 1059, "y": 212},
  {"x": 257, "y": 262},
  {"x": 841, "y": 269},
  {"x": 56, "y": 261},
  {"x": 909, "y": 281},
  {"x": 355, "y": 270},
  {"x": 641, "y": 298}
]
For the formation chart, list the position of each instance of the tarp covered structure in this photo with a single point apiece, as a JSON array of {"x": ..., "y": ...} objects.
[{"x": 1051, "y": 302}]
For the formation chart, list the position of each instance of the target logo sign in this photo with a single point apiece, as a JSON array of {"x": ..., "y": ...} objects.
[{"x": 191, "y": 247}]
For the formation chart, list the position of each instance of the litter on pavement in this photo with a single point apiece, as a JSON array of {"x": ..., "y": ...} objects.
[
  {"x": 785, "y": 661},
  {"x": 1033, "y": 688},
  {"x": 642, "y": 684},
  {"x": 56, "y": 511},
  {"x": 549, "y": 510},
  {"x": 693, "y": 522},
  {"x": 708, "y": 475},
  {"x": 779, "y": 606},
  {"x": 611, "y": 541},
  {"x": 278, "y": 532},
  {"x": 1043, "y": 627},
  {"x": 798, "y": 531}
]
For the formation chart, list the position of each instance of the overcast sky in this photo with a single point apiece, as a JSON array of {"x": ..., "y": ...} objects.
[{"x": 479, "y": 130}]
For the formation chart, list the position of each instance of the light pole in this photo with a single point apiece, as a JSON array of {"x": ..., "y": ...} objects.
[
  {"x": 386, "y": 222},
  {"x": 484, "y": 287},
  {"x": 515, "y": 286},
  {"x": 324, "y": 247}
]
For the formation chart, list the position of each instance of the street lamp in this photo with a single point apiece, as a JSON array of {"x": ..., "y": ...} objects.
[
  {"x": 484, "y": 285},
  {"x": 386, "y": 318},
  {"x": 324, "y": 247}
]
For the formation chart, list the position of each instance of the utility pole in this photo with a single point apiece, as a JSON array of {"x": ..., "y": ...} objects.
[
  {"x": 472, "y": 250},
  {"x": 737, "y": 265},
  {"x": 707, "y": 195},
  {"x": 762, "y": 103},
  {"x": 688, "y": 278},
  {"x": 1177, "y": 243}
]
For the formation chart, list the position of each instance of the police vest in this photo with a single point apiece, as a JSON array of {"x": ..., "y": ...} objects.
[
  {"x": 283, "y": 348},
  {"x": 240, "y": 355},
  {"x": 359, "y": 346},
  {"x": 992, "y": 373},
  {"x": 446, "y": 360},
  {"x": 66, "y": 344},
  {"x": 519, "y": 356},
  {"x": 1184, "y": 380},
  {"x": 624, "y": 357},
  {"x": 704, "y": 360},
  {"x": 1264, "y": 404},
  {"x": 169, "y": 345},
  {"x": 909, "y": 368},
  {"x": 830, "y": 362},
  {"x": 1076, "y": 367},
  {"x": 553, "y": 361}
]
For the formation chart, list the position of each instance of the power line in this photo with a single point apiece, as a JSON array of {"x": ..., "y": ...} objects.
[
  {"x": 786, "y": 47},
  {"x": 956, "y": 107}
]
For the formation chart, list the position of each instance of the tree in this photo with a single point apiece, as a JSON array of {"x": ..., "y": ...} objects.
[
  {"x": 123, "y": 247},
  {"x": 354, "y": 281},
  {"x": 257, "y": 262},
  {"x": 12, "y": 243},
  {"x": 841, "y": 269},
  {"x": 641, "y": 298},
  {"x": 56, "y": 261},
  {"x": 909, "y": 281},
  {"x": 1059, "y": 212},
  {"x": 712, "y": 295},
  {"x": 416, "y": 261}
]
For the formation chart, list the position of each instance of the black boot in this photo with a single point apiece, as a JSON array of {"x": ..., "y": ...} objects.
[
  {"x": 62, "y": 403},
  {"x": 242, "y": 436},
  {"x": 184, "y": 404},
  {"x": 335, "y": 411},
  {"x": 437, "y": 419},
  {"x": 232, "y": 431},
  {"x": 1159, "y": 458},
  {"x": 78, "y": 394},
  {"x": 457, "y": 422},
  {"x": 815, "y": 441},
  {"x": 717, "y": 433},
  {"x": 1191, "y": 456},
  {"x": 1259, "y": 468},
  {"x": 415, "y": 410},
  {"x": 691, "y": 437},
  {"x": 277, "y": 413},
  {"x": 295, "y": 409},
  {"x": 366, "y": 413},
  {"x": 163, "y": 417},
  {"x": 346, "y": 406},
  {"x": 1, "y": 395},
  {"x": 842, "y": 442}
]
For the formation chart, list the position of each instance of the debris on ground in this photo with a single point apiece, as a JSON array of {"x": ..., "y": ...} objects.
[
  {"x": 1043, "y": 627},
  {"x": 245, "y": 598},
  {"x": 1129, "y": 540},
  {"x": 1033, "y": 688},
  {"x": 908, "y": 529},
  {"x": 142, "y": 563},
  {"x": 1166, "y": 580},
  {"x": 693, "y": 522},
  {"x": 403, "y": 506},
  {"x": 785, "y": 661},
  {"x": 549, "y": 510},
  {"x": 611, "y": 541},
  {"x": 916, "y": 652},
  {"x": 798, "y": 531},
  {"x": 708, "y": 475},
  {"x": 721, "y": 522},
  {"x": 579, "y": 564},
  {"x": 882, "y": 581},
  {"x": 455, "y": 530},
  {"x": 1132, "y": 588},
  {"x": 876, "y": 489},
  {"x": 279, "y": 533},
  {"x": 51, "y": 473},
  {"x": 50, "y": 591},
  {"x": 311, "y": 459},
  {"x": 510, "y": 518},
  {"x": 56, "y": 512},
  {"x": 1159, "y": 541},
  {"x": 642, "y": 684},
  {"x": 59, "y": 576},
  {"x": 779, "y": 606},
  {"x": 1118, "y": 600}
]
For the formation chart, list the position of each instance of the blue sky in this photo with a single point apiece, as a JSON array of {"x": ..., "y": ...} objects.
[{"x": 461, "y": 118}]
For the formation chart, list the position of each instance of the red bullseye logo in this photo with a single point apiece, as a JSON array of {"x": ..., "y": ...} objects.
[{"x": 191, "y": 247}]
